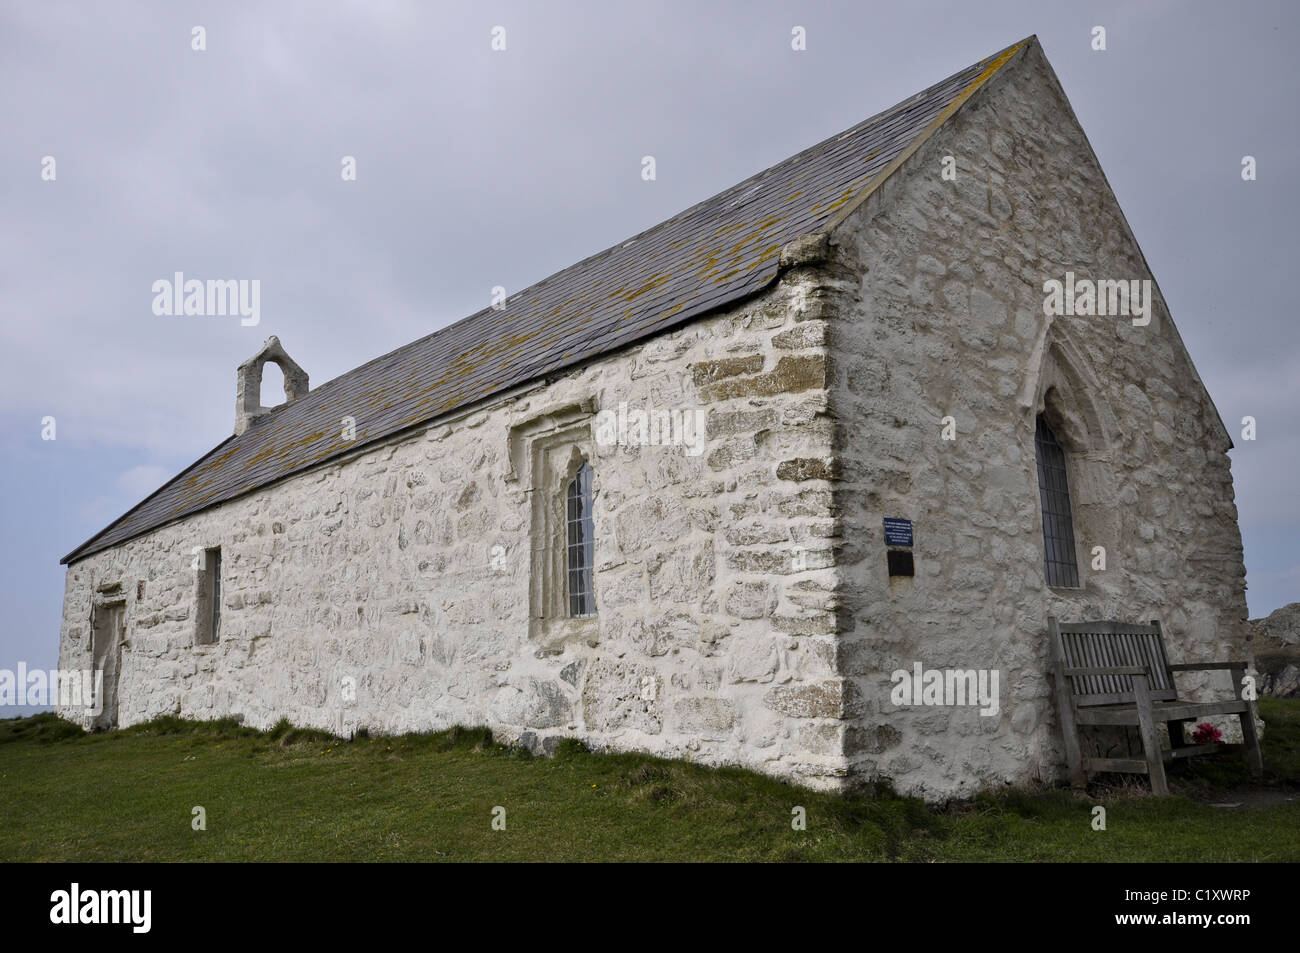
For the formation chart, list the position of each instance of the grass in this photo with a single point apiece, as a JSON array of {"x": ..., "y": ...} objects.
[{"x": 301, "y": 795}]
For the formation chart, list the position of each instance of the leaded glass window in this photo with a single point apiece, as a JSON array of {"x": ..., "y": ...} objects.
[
  {"x": 1060, "y": 566},
  {"x": 580, "y": 544}
]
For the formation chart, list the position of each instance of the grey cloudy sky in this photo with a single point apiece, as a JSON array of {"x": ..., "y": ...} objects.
[{"x": 478, "y": 168}]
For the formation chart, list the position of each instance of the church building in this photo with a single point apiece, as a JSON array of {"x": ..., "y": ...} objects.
[{"x": 727, "y": 491}]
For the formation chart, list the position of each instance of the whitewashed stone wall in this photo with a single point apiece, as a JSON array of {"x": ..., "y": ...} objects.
[
  {"x": 712, "y": 575},
  {"x": 945, "y": 317}
]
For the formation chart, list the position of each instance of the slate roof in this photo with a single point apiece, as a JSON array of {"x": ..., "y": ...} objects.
[{"x": 710, "y": 256}]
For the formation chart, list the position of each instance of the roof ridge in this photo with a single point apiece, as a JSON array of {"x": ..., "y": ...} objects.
[{"x": 992, "y": 65}]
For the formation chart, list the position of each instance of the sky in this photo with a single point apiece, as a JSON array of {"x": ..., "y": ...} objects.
[{"x": 478, "y": 168}]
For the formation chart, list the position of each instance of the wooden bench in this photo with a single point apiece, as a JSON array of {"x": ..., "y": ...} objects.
[{"x": 1111, "y": 673}]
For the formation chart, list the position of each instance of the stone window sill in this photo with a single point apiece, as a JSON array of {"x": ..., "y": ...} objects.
[{"x": 558, "y": 634}]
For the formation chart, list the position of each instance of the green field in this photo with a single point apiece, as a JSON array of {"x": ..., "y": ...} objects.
[{"x": 305, "y": 796}]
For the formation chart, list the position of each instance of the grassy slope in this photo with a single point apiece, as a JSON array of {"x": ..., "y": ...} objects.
[{"x": 292, "y": 795}]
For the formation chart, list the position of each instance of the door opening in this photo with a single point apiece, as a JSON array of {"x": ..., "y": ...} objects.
[{"x": 106, "y": 654}]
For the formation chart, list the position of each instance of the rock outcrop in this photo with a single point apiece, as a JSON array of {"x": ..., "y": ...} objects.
[{"x": 1276, "y": 638}]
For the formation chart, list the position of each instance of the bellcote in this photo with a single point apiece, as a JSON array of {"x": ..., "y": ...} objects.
[{"x": 248, "y": 383}]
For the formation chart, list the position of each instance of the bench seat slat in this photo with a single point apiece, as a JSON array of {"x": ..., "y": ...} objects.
[
  {"x": 1206, "y": 666},
  {"x": 1190, "y": 751},
  {"x": 1119, "y": 698},
  {"x": 1164, "y": 711},
  {"x": 1126, "y": 765}
]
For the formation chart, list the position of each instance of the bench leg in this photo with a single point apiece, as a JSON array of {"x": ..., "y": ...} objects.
[
  {"x": 1070, "y": 733},
  {"x": 1250, "y": 737},
  {"x": 1150, "y": 738},
  {"x": 1176, "y": 738},
  {"x": 1065, "y": 707},
  {"x": 1253, "y": 756}
]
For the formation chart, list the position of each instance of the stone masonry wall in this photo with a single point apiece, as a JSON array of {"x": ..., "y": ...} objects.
[
  {"x": 713, "y": 586},
  {"x": 944, "y": 316}
]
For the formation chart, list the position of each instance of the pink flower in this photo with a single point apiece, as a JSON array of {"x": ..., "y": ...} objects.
[{"x": 1206, "y": 734}]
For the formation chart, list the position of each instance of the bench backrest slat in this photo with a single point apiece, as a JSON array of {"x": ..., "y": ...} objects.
[{"x": 1111, "y": 644}]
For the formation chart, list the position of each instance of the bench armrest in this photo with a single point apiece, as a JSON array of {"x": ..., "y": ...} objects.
[
  {"x": 1111, "y": 670},
  {"x": 1206, "y": 666}
]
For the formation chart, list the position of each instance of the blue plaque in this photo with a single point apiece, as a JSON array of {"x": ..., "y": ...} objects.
[{"x": 898, "y": 532}]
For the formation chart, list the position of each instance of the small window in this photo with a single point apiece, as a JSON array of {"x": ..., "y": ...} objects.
[
  {"x": 1054, "y": 496},
  {"x": 208, "y": 629},
  {"x": 580, "y": 546}
]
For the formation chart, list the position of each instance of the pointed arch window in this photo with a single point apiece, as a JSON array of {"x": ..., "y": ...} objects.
[
  {"x": 580, "y": 544},
  {"x": 1059, "y": 562}
]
